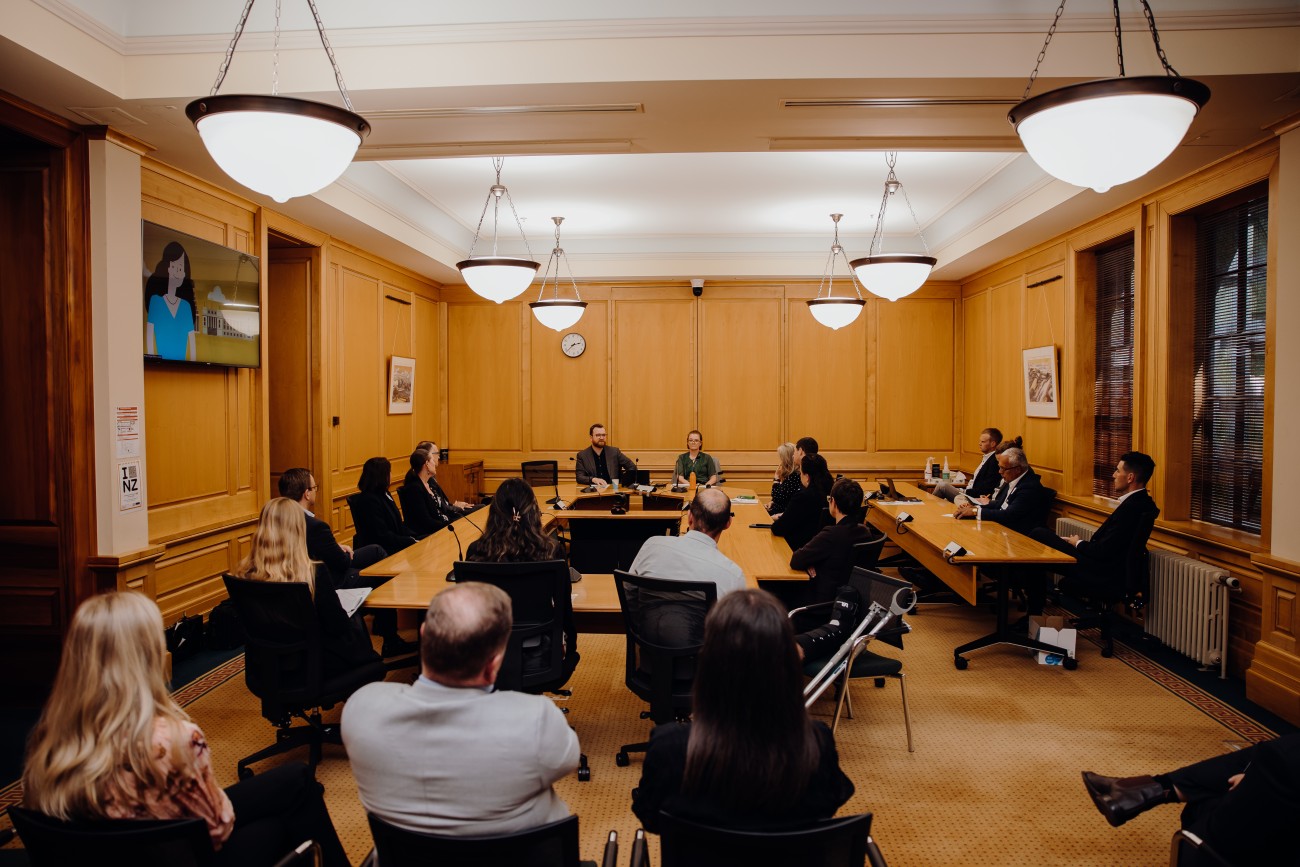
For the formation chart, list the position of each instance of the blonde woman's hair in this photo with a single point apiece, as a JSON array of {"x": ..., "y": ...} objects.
[
  {"x": 785, "y": 452},
  {"x": 94, "y": 741},
  {"x": 279, "y": 550}
]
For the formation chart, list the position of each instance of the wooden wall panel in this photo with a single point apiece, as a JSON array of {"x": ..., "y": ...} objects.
[
  {"x": 654, "y": 375},
  {"x": 361, "y": 404},
  {"x": 427, "y": 423},
  {"x": 484, "y": 378},
  {"x": 568, "y": 395},
  {"x": 836, "y": 416},
  {"x": 186, "y": 417},
  {"x": 399, "y": 339},
  {"x": 289, "y": 358},
  {"x": 740, "y": 373},
  {"x": 1045, "y": 325},
  {"x": 914, "y": 375},
  {"x": 975, "y": 377},
  {"x": 1005, "y": 358}
]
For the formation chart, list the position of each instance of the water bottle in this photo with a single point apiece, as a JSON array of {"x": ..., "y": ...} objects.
[
  {"x": 946, "y": 475},
  {"x": 929, "y": 464}
]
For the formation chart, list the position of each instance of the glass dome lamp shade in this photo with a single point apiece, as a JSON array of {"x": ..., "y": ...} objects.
[
  {"x": 495, "y": 277},
  {"x": 893, "y": 275},
  {"x": 1111, "y": 131},
  {"x": 277, "y": 145},
  {"x": 1103, "y": 133},
  {"x": 245, "y": 321},
  {"x": 555, "y": 312},
  {"x": 835, "y": 313}
]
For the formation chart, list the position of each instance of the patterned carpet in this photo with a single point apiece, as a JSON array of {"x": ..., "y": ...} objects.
[{"x": 994, "y": 779}]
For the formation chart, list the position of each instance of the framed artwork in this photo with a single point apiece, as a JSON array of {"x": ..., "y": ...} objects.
[
  {"x": 401, "y": 385},
  {"x": 1042, "y": 389}
]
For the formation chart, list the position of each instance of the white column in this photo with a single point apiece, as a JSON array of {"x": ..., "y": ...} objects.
[{"x": 116, "y": 285}]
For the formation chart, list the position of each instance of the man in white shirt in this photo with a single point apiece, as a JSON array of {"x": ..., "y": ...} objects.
[
  {"x": 447, "y": 754},
  {"x": 694, "y": 556},
  {"x": 985, "y": 478}
]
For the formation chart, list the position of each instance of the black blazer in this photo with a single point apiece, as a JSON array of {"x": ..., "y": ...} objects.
[
  {"x": 1108, "y": 549},
  {"x": 1027, "y": 504},
  {"x": 322, "y": 546},
  {"x": 831, "y": 553},
  {"x": 660, "y": 788},
  {"x": 619, "y": 465},
  {"x": 345, "y": 644},
  {"x": 986, "y": 479},
  {"x": 803, "y": 517},
  {"x": 378, "y": 522},
  {"x": 424, "y": 515}
]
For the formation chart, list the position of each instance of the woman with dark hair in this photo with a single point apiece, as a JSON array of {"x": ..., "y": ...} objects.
[
  {"x": 806, "y": 512},
  {"x": 752, "y": 757},
  {"x": 424, "y": 504},
  {"x": 513, "y": 534},
  {"x": 169, "y": 296},
  {"x": 115, "y": 745},
  {"x": 373, "y": 511}
]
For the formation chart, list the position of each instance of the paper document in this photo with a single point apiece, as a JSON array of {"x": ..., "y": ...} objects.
[
  {"x": 748, "y": 501},
  {"x": 351, "y": 598}
]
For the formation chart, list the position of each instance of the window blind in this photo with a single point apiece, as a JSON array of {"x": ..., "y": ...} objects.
[
  {"x": 1228, "y": 387},
  {"x": 1112, "y": 407}
]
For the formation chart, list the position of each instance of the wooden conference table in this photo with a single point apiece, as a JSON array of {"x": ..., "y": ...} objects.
[
  {"x": 419, "y": 572},
  {"x": 932, "y": 528}
]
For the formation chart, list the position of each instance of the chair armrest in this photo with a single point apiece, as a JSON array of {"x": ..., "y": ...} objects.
[
  {"x": 807, "y": 608},
  {"x": 610, "y": 858},
  {"x": 874, "y": 856}
]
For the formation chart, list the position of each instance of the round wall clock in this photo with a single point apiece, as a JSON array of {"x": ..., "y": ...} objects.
[{"x": 573, "y": 344}]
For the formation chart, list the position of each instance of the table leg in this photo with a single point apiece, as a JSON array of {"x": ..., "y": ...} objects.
[{"x": 1004, "y": 635}]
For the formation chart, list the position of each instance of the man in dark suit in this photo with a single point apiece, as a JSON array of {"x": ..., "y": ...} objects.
[
  {"x": 344, "y": 564},
  {"x": 1103, "y": 559},
  {"x": 985, "y": 478},
  {"x": 599, "y": 464},
  {"x": 828, "y": 556},
  {"x": 1021, "y": 503}
]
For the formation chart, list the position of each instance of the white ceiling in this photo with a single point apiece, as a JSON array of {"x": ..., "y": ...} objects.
[{"x": 705, "y": 172}]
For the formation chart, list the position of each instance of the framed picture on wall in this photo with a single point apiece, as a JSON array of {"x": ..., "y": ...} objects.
[
  {"x": 401, "y": 385},
  {"x": 1042, "y": 389}
]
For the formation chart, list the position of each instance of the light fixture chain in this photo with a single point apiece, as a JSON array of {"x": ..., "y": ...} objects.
[
  {"x": 230, "y": 49},
  {"x": 1051, "y": 31},
  {"x": 1119, "y": 39},
  {"x": 1155, "y": 37},
  {"x": 520, "y": 224},
  {"x": 329, "y": 52},
  {"x": 912, "y": 211},
  {"x": 275, "y": 54}
]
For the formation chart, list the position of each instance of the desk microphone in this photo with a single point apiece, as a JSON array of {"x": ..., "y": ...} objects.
[{"x": 460, "y": 552}]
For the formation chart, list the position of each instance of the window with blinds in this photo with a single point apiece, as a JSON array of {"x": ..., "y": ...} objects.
[
  {"x": 1112, "y": 406},
  {"x": 1228, "y": 388}
]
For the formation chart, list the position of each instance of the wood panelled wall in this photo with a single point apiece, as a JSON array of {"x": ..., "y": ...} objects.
[
  {"x": 746, "y": 364},
  {"x": 1019, "y": 304}
]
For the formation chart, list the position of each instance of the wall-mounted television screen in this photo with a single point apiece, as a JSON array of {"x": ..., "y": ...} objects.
[{"x": 202, "y": 301}]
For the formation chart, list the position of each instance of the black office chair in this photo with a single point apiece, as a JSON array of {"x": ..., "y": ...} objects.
[
  {"x": 551, "y": 845},
  {"x": 867, "y": 554},
  {"x": 844, "y": 842},
  {"x": 543, "y": 648},
  {"x": 542, "y": 474},
  {"x": 1188, "y": 850},
  {"x": 1129, "y": 588},
  {"x": 863, "y": 662},
  {"x": 282, "y": 666},
  {"x": 113, "y": 842},
  {"x": 665, "y": 628}
]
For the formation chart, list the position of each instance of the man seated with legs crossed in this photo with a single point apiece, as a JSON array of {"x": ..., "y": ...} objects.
[
  {"x": 447, "y": 754},
  {"x": 985, "y": 478}
]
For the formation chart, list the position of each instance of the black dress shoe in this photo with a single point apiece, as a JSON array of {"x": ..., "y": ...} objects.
[
  {"x": 1121, "y": 798},
  {"x": 396, "y": 645}
]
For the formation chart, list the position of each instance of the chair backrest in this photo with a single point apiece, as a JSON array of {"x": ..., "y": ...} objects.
[
  {"x": 542, "y": 606},
  {"x": 282, "y": 664},
  {"x": 865, "y": 554},
  {"x": 875, "y": 586},
  {"x": 551, "y": 845},
  {"x": 664, "y": 620},
  {"x": 113, "y": 842},
  {"x": 1135, "y": 563},
  {"x": 537, "y": 473},
  {"x": 829, "y": 843}
]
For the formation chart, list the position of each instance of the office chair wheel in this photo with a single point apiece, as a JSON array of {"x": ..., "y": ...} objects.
[
  {"x": 622, "y": 760},
  {"x": 1070, "y": 663},
  {"x": 584, "y": 775},
  {"x": 880, "y": 683},
  {"x": 961, "y": 662},
  {"x": 1108, "y": 652},
  {"x": 245, "y": 773}
]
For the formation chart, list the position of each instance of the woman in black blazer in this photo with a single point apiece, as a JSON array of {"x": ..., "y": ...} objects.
[
  {"x": 806, "y": 513},
  {"x": 425, "y": 511},
  {"x": 373, "y": 511}
]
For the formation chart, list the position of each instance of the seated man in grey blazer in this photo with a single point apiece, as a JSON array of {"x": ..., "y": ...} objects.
[{"x": 446, "y": 754}]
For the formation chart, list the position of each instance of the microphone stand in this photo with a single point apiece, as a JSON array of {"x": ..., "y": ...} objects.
[{"x": 837, "y": 663}]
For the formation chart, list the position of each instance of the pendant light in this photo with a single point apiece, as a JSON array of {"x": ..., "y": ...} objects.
[
  {"x": 498, "y": 278},
  {"x": 243, "y": 316},
  {"x": 1111, "y": 131},
  {"x": 830, "y": 311},
  {"x": 276, "y": 145},
  {"x": 893, "y": 275},
  {"x": 558, "y": 313}
]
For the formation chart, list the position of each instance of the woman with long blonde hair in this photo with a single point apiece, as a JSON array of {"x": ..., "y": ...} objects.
[
  {"x": 111, "y": 743},
  {"x": 785, "y": 481},
  {"x": 279, "y": 553}
]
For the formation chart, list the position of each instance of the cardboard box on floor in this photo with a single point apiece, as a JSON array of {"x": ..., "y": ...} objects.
[{"x": 1052, "y": 630}]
